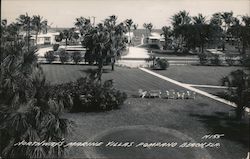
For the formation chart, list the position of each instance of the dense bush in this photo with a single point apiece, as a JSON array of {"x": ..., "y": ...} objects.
[
  {"x": 162, "y": 63},
  {"x": 88, "y": 94},
  {"x": 27, "y": 111},
  {"x": 55, "y": 47},
  {"x": 238, "y": 92},
  {"x": 50, "y": 56},
  {"x": 230, "y": 61},
  {"x": 77, "y": 57},
  {"x": 203, "y": 58},
  {"x": 215, "y": 60},
  {"x": 63, "y": 55}
]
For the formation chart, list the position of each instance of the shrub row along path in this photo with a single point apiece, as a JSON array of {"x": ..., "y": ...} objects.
[{"x": 151, "y": 120}]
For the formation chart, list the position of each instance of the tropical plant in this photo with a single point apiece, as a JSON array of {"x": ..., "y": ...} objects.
[
  {"x": 167, "y": 33},
  {"x": 203, "y": 58},
  {"x": 148, "y": 27},
  {"x": 77, "y": 57},
  {"x": 238, "y": 82},
  {"x": 27, "y": 112},
  {"x": 50, "y": 56},
  {"x": 88, "y": 94},
  {"x": 55, "y": 47},
  {"x": 161, "y": 64},
  {"x": 104, "y": 41},
  {"x": 241, "y": 32},
  {"x": 129, "y": 23},
  {"x": 24, "y": 21},
  {"x": 39, "y": 24},
  {"x": 215, "y": 60},
  {"x": 63, "y": 55}
]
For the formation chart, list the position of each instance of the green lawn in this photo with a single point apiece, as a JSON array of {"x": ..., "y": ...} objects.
[
  {"x": 128, "y": 80},
  {"x": 203, "y": 75},
  {"x": 194, "y": 118}
]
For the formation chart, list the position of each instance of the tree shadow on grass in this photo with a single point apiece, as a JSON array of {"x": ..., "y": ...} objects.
[{"x": 220, "y": 122}]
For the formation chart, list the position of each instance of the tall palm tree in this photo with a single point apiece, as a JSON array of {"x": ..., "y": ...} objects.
[
  {"x": 181, "y": 18},
  {"x": 25, "y": 22},
  {"x": 148, "y": 27},
  {"x": 166, "y": 32},
  {"x": 83, "y": 24},
  {"x": 129, "y": 23},
  {"x": 227, "y": 18},
  {"x": 39, "y": 24},
  {"x": 200, "y": 19}
]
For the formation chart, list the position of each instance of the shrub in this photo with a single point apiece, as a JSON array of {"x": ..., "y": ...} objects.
[
  {"x": 203, "y": 58},
  {"x": 63, "y": 55},
  {"x": 230, "y": 61},
  {"x": 77, "y": 57},
  {"x": 215, "y": 60},
  {"x": 50, "y": 56},
  {"x": 88, "y": 94},
  {"x": 162, "y": 63},
  {"x": 27, "y": 112},
  {"x": 238, "y": 92},
  {"x": 55, "y": 47}
]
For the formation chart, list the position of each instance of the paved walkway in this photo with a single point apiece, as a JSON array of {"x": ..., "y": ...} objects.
[{"x": 192, "y": 89}]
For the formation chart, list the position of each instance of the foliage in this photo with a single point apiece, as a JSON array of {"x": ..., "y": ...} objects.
[
  {"x": 77, "y": 57},
  {"x": 167, "y": 32},
  {"x": 27, "y": 111},
  {"x": 239, "y": 92},
  {"x": 203, "y": 58},
  {"x": 55, "y": 47},
  {"x": 230, "y": 61},
  {"x": 50, "y": 56},
  {"x": 215, "y": 60},
  {"x": 158, "y": 63},
  {"x": 63, "y": 55},
  {"x": 162, "y": 63},
  {"x": 88, "y": 94},
  {"x": 105, "y": 40},
  {"x": 148, "y": 27}
]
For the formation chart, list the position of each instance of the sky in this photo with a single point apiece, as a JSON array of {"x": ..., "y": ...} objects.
[{"x": 62, "y": 13}]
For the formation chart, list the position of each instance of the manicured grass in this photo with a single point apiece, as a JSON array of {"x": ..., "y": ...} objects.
[
  {"x": 195, "y": 118},
  {"x": 204, "y": 75},
  {"x": 128, "y": 80}
]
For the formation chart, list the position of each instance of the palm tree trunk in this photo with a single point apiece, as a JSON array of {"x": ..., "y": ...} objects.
[
  {"x": 100, "y": 66},
  {"x": 36, "y": 37}
]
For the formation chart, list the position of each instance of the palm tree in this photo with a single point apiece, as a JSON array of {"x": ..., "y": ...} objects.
[
  {"x": 181, "y": 18},
  {"x": 25, "y": 22},
  {"x": 27, "y": 110},
  {"x": 180, "y": 21},
  {"x": 148, "y": 27},
  {"x": 201, "y": 29},
  {"x": 39, "y": 24},
  {"x": 200, "y": 19},
  {"x": 227, "y": 18},
  {"x": 67, "y": 35},
  {"x": 166, "y": 32},
  {"x": 129, "y": 23},
  {"x": 238, "y": 82},
  {"x": 83, "y": 24}
]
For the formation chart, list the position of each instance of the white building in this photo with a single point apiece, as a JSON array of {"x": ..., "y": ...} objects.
[{"x": 48, "y": 38}]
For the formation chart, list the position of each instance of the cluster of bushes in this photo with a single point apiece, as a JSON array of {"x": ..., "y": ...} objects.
[
  {"x": 238, "y": 90},
  {"x": 215, "y": 60},
  {"x": 88, "y": 94},
  {"x": 64, "y": 56},
  {"x": 158, "y": 63}
]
